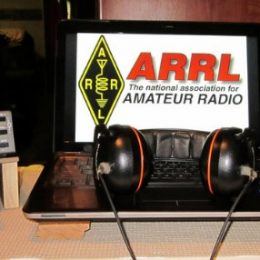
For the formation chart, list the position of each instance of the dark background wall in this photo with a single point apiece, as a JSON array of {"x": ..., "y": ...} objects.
[
  {"x": 182, "y": 10},
  {"x": 27, "y": 15}
]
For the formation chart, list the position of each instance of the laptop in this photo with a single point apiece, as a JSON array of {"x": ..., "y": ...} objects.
[{"x": 175, "y": 82}]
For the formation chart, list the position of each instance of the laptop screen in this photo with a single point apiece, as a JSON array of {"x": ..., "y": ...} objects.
[{"x": 198, "y": 76}]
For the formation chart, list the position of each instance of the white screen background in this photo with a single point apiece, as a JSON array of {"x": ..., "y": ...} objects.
[{"x": 125, "y": 49}]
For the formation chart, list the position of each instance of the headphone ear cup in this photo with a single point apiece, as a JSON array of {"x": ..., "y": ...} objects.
[
  {"x": 124, "y": 159},
  {"x": 224, "y": 152}
]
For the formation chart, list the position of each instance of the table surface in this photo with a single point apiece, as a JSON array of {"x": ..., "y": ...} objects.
[{"x": 156, "y": 240}]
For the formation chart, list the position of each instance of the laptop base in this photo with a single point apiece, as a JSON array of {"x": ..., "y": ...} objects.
[{"x": 89, "y": 202}]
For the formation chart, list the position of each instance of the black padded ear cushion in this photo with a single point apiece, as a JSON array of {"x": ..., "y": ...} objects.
[
  {"x": 225, "y": 151},
  {"x": 126, "y": 157}
]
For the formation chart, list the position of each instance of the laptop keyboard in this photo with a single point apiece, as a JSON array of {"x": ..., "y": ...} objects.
[
  {"x": 72, "y": 170},
  {"x": 170, "y": 172},
  {"x": 76, "y": 169}
]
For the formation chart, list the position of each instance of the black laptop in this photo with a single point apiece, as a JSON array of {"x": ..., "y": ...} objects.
[{"x": 175, "y": 82}]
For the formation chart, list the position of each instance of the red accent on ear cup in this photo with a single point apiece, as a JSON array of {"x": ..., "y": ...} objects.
[
  {"x": 141, "y": 151},
  {"x": 211, "y": 147}
]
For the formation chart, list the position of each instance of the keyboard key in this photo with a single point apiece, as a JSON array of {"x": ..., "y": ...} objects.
[{"x": 175, "y": 172}]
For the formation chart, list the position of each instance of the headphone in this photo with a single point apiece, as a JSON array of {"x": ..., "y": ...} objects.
[
  {"x": 123, "y": 163},
  {"x": 123, "y": 157},
  {"x": 228, "y": 161}
]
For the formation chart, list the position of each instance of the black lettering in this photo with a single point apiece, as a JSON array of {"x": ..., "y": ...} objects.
[
  {"x": 237, "y": 99},
  {"x": 212, "y": 99},
  {"x": 168, "y": 98},
  {"x": 177, "y": 99},
  {"x": 158, "y": 95},
  {"x": 139, "y": 99},
  {"x": 150, "y": 99},
  {"x": 223, "y": 99},
  {"x": 127, "y": 98},
  {"x": 202, "y": 98},
  {"x": 188, "y": 98}
]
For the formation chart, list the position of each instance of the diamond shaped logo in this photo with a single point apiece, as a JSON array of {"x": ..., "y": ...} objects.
[{"x": 101, "y": 83}]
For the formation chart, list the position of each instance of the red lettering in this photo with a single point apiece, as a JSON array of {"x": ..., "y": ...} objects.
[
  {"x": 224, "y": 67},
  {"x": 172, "y": 62},
  {"x": 202, "y": 63},
  {"x": 143, "y": 67}
]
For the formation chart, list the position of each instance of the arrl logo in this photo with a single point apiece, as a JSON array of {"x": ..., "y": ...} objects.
[{"x": 101, "y": 83}]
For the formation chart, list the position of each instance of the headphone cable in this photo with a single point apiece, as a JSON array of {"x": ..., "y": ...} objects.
[
  {"x": 119, "y": 223},
  {"x": 227, "y": 223}
]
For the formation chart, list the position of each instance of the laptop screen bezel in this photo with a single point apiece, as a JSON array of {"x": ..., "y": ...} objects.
[{"x": 65, "y": 92}]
